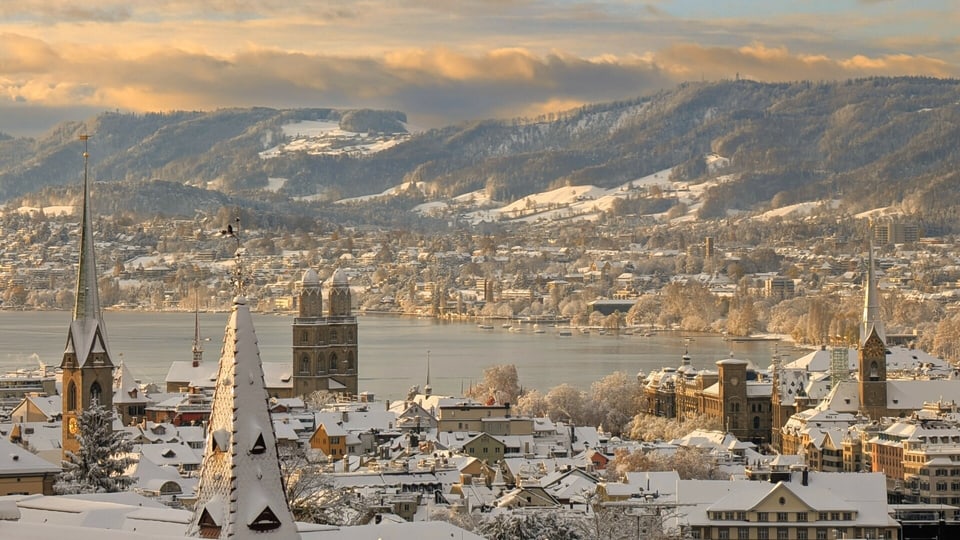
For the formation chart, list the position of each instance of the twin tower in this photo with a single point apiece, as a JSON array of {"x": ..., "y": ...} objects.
[{"x": 324, "y": 346}]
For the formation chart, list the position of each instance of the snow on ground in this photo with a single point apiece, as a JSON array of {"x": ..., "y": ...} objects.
[
  {"x": 324, "y": 137},
  {"x": 274, "y": 184},
  {"x": 799, "y": 209},
  {"x": 396, "y": 190},
  {"x": 47, "y": 210},
  {"x": 877, "y": 212}
]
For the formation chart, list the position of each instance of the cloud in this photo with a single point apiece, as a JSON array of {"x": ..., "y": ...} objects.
[{"x": 434, "y": 85}]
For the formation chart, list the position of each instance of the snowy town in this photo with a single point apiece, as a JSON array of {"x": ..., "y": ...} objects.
[{"x": 844, "y": 442}]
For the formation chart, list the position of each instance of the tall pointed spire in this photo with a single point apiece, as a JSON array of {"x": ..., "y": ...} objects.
[
  {"x": 87, "y": 365},
  {"x": 87, "y": 304},
  {"x": 871, "y": 304},
  {"x": 241, "y": 493},
  {"x": 197, "y": 342}
]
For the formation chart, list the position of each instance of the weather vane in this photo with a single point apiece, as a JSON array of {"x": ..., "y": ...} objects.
[{"x": 234, "y": 232}]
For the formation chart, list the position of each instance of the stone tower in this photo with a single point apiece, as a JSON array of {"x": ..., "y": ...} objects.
[
  {"x": 339, "y": 295},
  {"x": 872, "y": 368},
  {"x": 325, "y": 347},
  {"x": 87, "y": 367},
  {"x": 241, "y": 493},
  {"x": 733, "y": 397},
  {"x": 311, "y": 297}
]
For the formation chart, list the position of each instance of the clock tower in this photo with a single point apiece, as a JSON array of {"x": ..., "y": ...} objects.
[
  {"x": 872, "y": 354},
  {"x": 87, "y": 367}
]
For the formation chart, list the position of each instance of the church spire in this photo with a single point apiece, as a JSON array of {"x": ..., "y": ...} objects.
[
  {"x": 871, "y": 304},
  {"x": 87, "y": 366},
  {"x": 197, "y": 342},
  {"x": 87, "y": 304},
  {"x": 241, "y": 493}
]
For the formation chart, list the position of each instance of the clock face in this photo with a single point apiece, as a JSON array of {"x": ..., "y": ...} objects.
[
  {"x": 874, "y": 349},
  {"x": 72, "y": 426},
  {"x": 734, "y": 381}
]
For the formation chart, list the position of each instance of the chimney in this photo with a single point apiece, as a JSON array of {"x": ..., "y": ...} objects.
[{"x": 804, "y": 477}]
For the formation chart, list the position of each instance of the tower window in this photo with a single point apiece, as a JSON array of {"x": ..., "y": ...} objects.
[
  {"x": 95, "y": 392},
  {"x": 305, "y": 365},
  {"x": 72, "y": 396}
]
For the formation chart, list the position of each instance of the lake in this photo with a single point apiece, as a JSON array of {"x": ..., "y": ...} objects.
[{"x": 393, "y": 350}]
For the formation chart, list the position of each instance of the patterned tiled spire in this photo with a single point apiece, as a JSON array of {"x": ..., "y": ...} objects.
[{"x": 241, "y": 493}]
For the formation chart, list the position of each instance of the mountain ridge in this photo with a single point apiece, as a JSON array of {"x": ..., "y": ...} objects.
[{"x": 871, "y": 142}]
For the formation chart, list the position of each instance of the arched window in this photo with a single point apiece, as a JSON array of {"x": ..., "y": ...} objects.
[
  {"x": 333, "y": 363},
  {"x": 95, "y": 392},
  {"x": 304, "y": 364},
  {"x": 756, "y": 422},
  {"x": 350, "y": 362},
  {"x": 72, "y": 396}
]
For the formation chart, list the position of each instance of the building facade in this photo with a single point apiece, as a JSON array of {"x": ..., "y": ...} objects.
[{"x": 325, "y": 345}]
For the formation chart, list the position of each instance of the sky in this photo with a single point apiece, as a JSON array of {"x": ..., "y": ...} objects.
[{"x": 439, "y": 61}]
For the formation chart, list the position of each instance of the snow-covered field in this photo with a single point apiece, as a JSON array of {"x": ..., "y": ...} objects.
[{"x": 324, "y": 137}]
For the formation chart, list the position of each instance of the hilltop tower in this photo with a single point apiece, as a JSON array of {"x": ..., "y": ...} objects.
[
  {"x": 241, "y": 493},
  {"x": 325, "y": 347},
  {"x": 872, "y": 368},
  {"x": 87, "y": 365}
]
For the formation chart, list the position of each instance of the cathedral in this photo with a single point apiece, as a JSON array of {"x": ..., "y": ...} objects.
[{"x": 324, "y": 346}]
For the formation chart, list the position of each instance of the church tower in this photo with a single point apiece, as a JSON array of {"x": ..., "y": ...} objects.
[
  {"x": 324, "y": 347},
  {"x": 872, "y": 368},
  {"x": 339, "y": 295},
  {"x": 241, "y": 493},
  {"x": 87, "y": 367}
]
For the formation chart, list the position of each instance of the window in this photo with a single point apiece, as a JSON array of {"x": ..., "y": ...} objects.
[
  {"x": 763, "y": 516},
  {"x": 763, "y": 534},
  {"x": 72, "y": 397},
  {"x": 782, "y": 533},
  {"x": 801, "y": 534},
  {"x": 95, "y": 392},
  {"x": 756, "y": 422},
  {"x": 723, "y": 533},
  {"x": 305, "y": 364},
  {"x": 743, "y": 533},
  {"x": 333, "y": 363},
  {"x": 802, "y": 516},
  {"x": 822, "y": 516},
  {"x": 821, "y": 534},
  {"x": 782, "y": 516},
  {"x": 848, "y": 516}
]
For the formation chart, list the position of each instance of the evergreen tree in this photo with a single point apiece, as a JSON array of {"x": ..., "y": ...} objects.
[{"x": 103, "y": 458}]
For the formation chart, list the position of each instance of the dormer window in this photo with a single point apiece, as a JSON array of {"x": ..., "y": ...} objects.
[
  {"x": 259, "y": 447},
  {"x": 265, "y": 521}
]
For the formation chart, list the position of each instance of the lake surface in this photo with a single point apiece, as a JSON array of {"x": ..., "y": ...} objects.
[{"x": 393, "y": 350}]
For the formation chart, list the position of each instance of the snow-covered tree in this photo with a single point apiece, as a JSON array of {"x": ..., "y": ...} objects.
[
  {"x": 500, "y": 382},
  {"x": 615, "y": 399},
  {"x": 101, "y": 464},
  {"x": 314, "y": 498},
  {"x": 543, "y": 525}
]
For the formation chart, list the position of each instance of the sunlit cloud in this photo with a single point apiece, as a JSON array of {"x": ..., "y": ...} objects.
[{"x": 438, "y": 61}]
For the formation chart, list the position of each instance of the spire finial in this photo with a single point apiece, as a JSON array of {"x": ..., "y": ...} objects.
[{"x": 233, "y": 231}]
